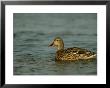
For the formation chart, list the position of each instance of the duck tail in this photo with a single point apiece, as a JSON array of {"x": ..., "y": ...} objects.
[
  {"x": 95, "y": 55},
  {"x": 92, "y": 56}
]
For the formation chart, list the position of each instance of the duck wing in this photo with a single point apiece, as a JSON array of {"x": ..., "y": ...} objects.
[
  {"x": 75, "y": 50},
  {"x": 74, "y": 53},
  {"x": 85, "y": 54}
]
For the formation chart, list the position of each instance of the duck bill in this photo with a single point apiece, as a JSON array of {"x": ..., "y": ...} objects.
[{"x": 51, "y": 44}]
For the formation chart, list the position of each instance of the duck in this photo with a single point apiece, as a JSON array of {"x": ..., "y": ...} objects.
[{"x": 70, "y": 54}]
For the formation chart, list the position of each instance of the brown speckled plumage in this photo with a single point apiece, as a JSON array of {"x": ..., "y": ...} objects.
[{"x": 70, "y": 54}]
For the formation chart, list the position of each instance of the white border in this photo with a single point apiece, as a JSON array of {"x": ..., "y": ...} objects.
[{"x": 100, "y": 78}]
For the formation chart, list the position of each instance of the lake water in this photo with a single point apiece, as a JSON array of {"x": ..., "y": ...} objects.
[{"x": 33, "y": 32}]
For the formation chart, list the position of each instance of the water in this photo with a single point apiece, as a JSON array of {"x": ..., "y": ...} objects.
[{"x": 34, "y": 32}]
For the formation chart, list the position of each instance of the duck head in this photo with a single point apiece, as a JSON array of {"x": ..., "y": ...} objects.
[{"x": 57, "y": 43}]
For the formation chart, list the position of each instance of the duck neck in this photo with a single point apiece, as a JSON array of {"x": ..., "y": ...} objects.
[{"x": 60, "y": 47}]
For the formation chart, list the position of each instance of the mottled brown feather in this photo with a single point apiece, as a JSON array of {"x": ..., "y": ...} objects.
[{"x": 74, "y": 53}]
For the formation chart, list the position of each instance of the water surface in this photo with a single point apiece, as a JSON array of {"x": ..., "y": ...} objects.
[{"x": 34, "y": 32}]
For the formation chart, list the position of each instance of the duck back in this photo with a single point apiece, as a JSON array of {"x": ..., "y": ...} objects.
[{"x": 74, "y": 53}]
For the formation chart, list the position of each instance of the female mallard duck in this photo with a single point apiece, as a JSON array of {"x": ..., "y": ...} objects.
[{"x": 70, "y": 54}]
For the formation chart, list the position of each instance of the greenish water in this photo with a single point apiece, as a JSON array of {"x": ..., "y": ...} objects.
[{"x": 34, "y": 32}]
